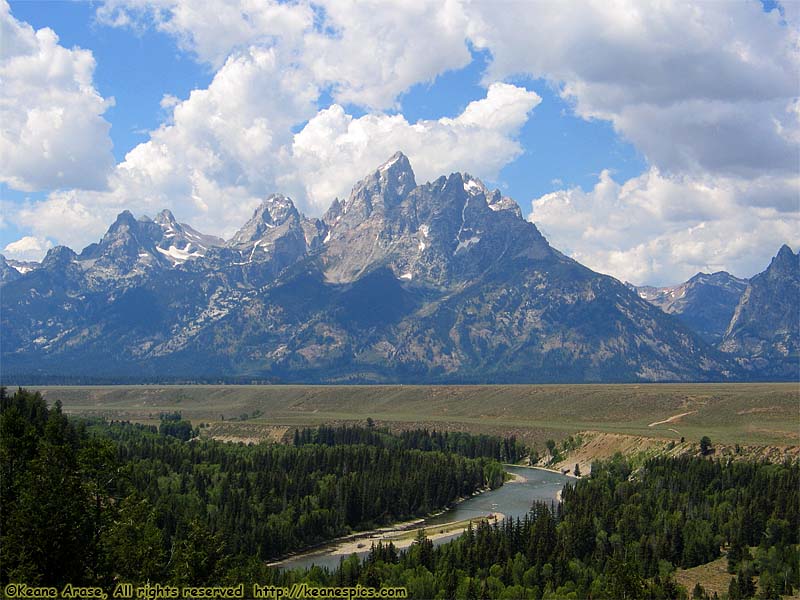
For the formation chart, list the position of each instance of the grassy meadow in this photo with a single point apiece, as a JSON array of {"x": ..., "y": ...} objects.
[{"x": 757, "y": 413}]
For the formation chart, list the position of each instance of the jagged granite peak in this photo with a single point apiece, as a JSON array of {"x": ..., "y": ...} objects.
[
  {"x": 764, "y": 331},
  {"x": 132, "y": 246},
  {"x": 11, "y": 269},
  {"x": 439, "y": 233},
  {"x": 276, "y": 237},
  {"x": 379, "y": 191},
  {"x": 274, "y": 211},
  {"x": 58, "y": 256},
  {"x": 494, "y": 198},
  {"x": 181, "y": 242},
  {"x": 24, "y": 266},
  {"x": 705, "y": 303},
  {"x": 124, "y": 238},
  {"x": 665, "y": 297},
  {"x": 784, "y": 261},
  {"x": 165, "y": 218}
]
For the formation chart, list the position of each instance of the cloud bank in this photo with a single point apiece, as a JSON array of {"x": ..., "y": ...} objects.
[{"x": 706, "y": 92}]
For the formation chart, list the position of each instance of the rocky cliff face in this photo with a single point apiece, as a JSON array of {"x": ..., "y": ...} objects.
[
  {"x": 7, "y": 272},
  {"x": 443, "y": 281},
  {"x": 763, "y": 332}
]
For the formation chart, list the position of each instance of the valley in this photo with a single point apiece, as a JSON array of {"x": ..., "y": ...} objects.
[{"x": 636, "y": 417}]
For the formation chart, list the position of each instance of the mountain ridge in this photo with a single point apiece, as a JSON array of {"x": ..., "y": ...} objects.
[
  {"x": 438, "y": 282},
  {"x": 766, "y": 320},
  {"x": 705, "y": 302}
]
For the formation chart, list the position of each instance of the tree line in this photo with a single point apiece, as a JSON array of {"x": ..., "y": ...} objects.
[{"x": 504, "y": 449}]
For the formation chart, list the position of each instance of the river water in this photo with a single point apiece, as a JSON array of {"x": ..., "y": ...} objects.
[{"x": 512, "y": 500}]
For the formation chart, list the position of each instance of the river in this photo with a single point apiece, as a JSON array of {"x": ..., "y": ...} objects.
[{"x": 513, "y": 499}]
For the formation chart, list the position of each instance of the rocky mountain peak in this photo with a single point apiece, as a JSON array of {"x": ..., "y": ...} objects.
[
  {"x": 276, "y": 236},
  {"x": 785, "y": 260},
  {"x": 381, "y": 190},
  {"x": 165, "y": 218},
  {"x": 397, "y": 167},
  {"x": 7, "y": 272},
  {"x": 279, "y": 208},
  {"x": 721, "y": 279},
  {"x": 474, "y": 186},
  {"x": 127, "y": 234},
  {"x": 273, "y": 212},
  {"x": 124, "y": 220},
  {"x": 20, "y": 266},
  {"x": 181, "y": 235},
  {"x": 705, "y": 303},
  {"x": 439, "y": 233},
  {"x": 59, "y": 257},
  {"x": 499, "y": 202},
  {"x": 766, "y": 323},
  {"x": 133, "y": 246},
  {"x": 494, "y": 198}
]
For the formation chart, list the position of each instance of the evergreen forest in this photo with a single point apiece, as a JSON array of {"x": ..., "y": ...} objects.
[{"x": 95, "y": 503}]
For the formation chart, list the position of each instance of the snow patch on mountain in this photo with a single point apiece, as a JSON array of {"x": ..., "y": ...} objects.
[{"x": 180, "y": 255}]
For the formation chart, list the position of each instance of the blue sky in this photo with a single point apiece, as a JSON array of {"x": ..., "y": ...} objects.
[
  {"x": 138, "y": 67},
  {"x": 590, "y": 126},
  {"x": 135, "y": 67}
]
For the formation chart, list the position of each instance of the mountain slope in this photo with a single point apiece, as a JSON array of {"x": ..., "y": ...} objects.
[
  {"x": 443, "y": 281},
  {"x": 7, "y": 271},
  {"x": 763, "y": 333},
  {"x": 705, "y": 303}
]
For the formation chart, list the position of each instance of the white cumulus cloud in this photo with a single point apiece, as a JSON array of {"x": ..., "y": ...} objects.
[
  {"x": 52, "y": 133},
  {"x": 704, "y": 87},
  {"x": 654, "y": 229},
  {"x": 707, "y": 92},
  {"x": 367, "y": 53},
  {"x": 27, "y": 248},
  {"x": 213, "y": 29},
  {"x": 335, "y": 149}
]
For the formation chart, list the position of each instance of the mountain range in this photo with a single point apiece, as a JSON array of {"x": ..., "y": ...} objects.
[
  {"x": 705, "y": 303},
  {"x": 400, "y": 282}
]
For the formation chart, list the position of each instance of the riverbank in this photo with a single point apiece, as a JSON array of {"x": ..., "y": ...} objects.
[
  {"x": 570, "y": 475},
  {"x": 548, "y": 469},
  {"x": 404, "y": 539},
  {"x": 523, "y": 487},
  {"x": 353, "y": 539},
  {"x": 520, "y": 478}
]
